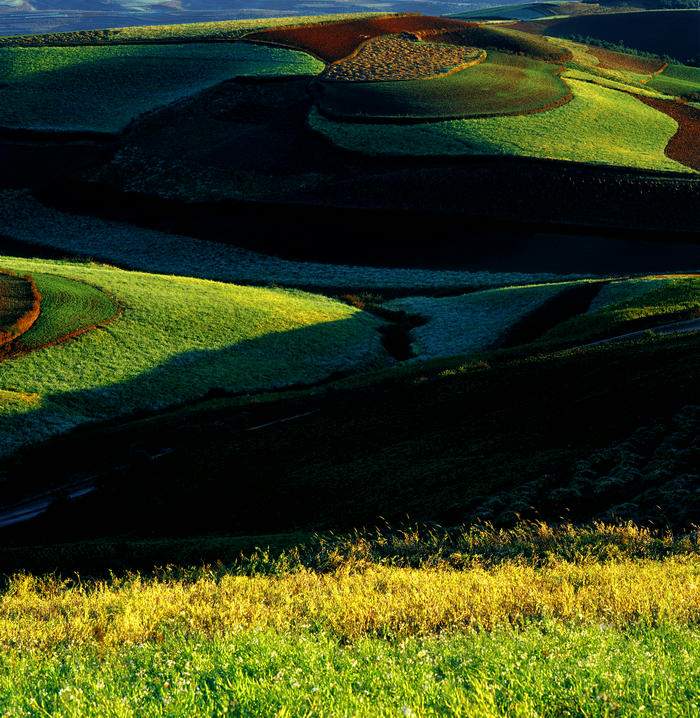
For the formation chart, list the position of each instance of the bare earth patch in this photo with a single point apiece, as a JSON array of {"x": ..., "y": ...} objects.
[
  {"x": 19, "y": 306},
  {"x": 403, "y": 57}
]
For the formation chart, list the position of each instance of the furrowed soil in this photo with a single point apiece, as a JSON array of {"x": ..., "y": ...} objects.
[
  {"x": 684, "y": 146},
  {"x": 20, "y": 304}
]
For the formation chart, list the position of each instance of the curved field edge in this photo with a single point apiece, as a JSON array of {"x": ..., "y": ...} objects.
[
  {"x": 502, "y": 85},
  {"x": 82, "y": 89},
  {"x": 683, "y": 146},
  {"x": 25, "y": 219},
  {"x": 599, "y": 126},
  {"x": 20, "y": 304},
  {"x": 68, "y": 309},
  {"x": 176, "y": 339}
]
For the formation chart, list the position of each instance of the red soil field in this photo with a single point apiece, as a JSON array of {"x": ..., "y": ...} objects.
[
  {"x": 683, "y": 146},
  {"x": 611, "y": 60},
  {"x": 334, "y": 41},
  {"x": 20, "y": 304}
]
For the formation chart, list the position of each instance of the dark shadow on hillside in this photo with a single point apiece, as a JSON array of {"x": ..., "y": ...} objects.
[
  {"x": 435, "y": 450},
  {"x": 297, "y": 357}
]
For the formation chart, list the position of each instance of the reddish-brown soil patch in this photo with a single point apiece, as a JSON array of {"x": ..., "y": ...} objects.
[
  {"x": 611, "y": 60},
  {"x": 683, "y": 146},
  {"x": 334, "y": 41},
  {"x": 20, "y": 304}
]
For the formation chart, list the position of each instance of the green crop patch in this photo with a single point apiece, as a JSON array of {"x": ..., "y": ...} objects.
[
  {"x": 101, "y": 89},
  {"x": 68, "y": 307},
  {"x": 680, "y": 80},
  {"x": 599, "y": 126},
  {"x": 175, "y": 339},
  {"x": 503, "y": 84}
]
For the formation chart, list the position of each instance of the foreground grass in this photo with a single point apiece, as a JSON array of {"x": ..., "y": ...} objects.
[
  {"x": 537, "y": 621},
  {"x": 599, "y": 125},
  {"x": 550, "y": 670},
  {"x": 103, "y": 88},
  {"x": 175, "y": 339}
]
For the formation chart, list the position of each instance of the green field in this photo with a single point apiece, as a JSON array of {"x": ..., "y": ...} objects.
[
  {"x": 503, "y": 84},
  {"x": 678, "y": 80},
  {"x": 599, "y": 126},
  {"x": 631, "y": 305},
  {"x": 175, "y": 339},
  {"x": 508, "y": 40},
  {"x": 101, "y": 89},
  {"x": 67, "y": 307}
]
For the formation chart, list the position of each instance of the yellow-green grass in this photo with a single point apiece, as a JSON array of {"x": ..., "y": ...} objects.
[
  {"x": 626, "y": 306},
  {"x": 472, "y": 322},
  {"x": 381, "y": 601},
  {"x": 175, "y": 339},
  {"x": 606, "y": 79},
  {"x": 583, "y": 635},
  {"x": 503, "y": 84},
  {"x": 216, "y": 31},
  {"x": 598, "y": 126},
  {"x": 101, "y": 89},
  {"x": 680, "y": 80}
]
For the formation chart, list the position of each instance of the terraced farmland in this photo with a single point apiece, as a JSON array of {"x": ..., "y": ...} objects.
[
  {"x": 83, "y": 89},
  {"x": 502, "y": 85},
  {"x": 599, "y": 125}
]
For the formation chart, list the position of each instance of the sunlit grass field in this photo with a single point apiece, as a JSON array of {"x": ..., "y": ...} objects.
[
  {"x": 600, "y": 126},
  {"x": 597, "y": 621},
  {"x": 102, "y": 88},
  {"x": 174, "y": 339}
]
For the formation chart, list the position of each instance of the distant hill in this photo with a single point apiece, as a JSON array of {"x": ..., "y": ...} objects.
[{"x": 667, "y": 33}]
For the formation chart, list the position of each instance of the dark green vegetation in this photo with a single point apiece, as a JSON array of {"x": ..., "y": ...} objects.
[
  {"x": 502, "y": 85},
  {"x": 679, "y": 80},
  {"x": 82, "y": 89},
  {"x": 507, "y": 39},
  {"x": 667, "y": 33}
]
